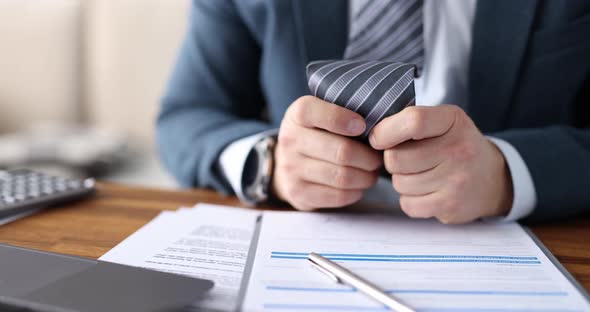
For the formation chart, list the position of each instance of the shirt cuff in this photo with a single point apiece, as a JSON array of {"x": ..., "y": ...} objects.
[
  {"x": 233, "y": 160},
  {"x": 525, "y": 197}
]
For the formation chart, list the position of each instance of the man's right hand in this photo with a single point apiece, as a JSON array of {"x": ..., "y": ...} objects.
[{"x": 317, "y": 163}]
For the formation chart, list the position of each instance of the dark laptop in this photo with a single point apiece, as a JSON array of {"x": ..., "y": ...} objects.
[{"x": 39, "y": 281}]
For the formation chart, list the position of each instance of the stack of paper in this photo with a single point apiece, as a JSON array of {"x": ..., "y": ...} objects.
[
  {"x": 210, "y": 242},
  {"x": 258, "y": 261}
]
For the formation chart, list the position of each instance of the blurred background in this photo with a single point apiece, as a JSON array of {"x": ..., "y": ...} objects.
[{"x": 80, "y": 84}]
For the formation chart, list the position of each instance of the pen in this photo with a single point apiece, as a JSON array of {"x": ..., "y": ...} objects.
[{"x": 341, "y": 275}]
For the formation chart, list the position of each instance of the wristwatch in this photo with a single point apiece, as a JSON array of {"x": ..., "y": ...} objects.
[{"x": 258, "y": 170}]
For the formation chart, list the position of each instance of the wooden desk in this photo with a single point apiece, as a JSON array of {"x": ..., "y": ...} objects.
[{"x": 90, "y": 228}]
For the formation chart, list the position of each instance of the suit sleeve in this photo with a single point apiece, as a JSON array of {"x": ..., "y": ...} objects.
[
  {"x": 213, "y": 97},
  {"x": 558, "y": 159}
]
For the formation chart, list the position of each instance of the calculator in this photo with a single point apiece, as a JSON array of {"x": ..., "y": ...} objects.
[{"x": 24, "y": 190}]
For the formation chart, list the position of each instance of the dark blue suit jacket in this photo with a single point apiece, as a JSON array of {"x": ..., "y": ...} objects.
[{"x": 243, "y": 63}]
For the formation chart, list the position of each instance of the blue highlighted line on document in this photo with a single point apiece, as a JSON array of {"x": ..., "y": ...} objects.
[
  {"x": 326, "y": 307},
  {"x": 412, "y": 258},
  {"x": 430, "y": 291}
]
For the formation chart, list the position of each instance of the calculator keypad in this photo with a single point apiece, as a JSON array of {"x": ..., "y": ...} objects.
[{"x": 24, "y": 187}]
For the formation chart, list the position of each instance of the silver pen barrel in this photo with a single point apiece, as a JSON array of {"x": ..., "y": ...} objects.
[{"x": 343, "y": 275}]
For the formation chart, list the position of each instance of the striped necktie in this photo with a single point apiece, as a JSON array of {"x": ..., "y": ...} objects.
[
  {"x": 388, "y": 30},
  {"x": 377, "y": 78}
]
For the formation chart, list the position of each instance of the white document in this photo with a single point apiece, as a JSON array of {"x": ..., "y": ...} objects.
[
  {"x": 208, "y": 241},
  {"x": 429, "y": 266},
  {"x": 481, "y": 267}
]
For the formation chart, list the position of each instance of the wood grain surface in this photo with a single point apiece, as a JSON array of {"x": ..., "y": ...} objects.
[{"x": 91, "y": 227}]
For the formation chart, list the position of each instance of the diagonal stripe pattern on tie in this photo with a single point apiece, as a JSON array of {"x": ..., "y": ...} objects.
[
  {"x": 375, "y": 90},
  {"x": 384, "y": 53},
  {"x": 387, "y": 30}
]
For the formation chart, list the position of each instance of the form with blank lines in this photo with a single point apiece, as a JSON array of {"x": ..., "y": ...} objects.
[{"x": 491, "y": 267}]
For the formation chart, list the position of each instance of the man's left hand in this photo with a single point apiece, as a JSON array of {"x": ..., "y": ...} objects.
[{"x": 442, "y": 165}]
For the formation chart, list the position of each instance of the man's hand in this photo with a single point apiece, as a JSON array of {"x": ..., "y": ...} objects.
[
  {"x": 316, "y": 164},
  {"x": 442, "y": 165}
]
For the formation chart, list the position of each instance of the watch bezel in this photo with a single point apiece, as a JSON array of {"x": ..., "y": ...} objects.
[{"x": 258, "y": 190}]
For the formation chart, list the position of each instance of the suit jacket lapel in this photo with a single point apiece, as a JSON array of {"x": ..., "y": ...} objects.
[
  {"x": 500, "y": 36},
  {"x": 323, "y": 28}
]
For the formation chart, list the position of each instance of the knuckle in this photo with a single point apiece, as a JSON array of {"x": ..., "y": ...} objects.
[
  {"x": 288, "y": 190},
  {"x": 464, "y": 151},
  {"x": 339, "y": 198},
  {"x": 294, "y": 189},
  {"x": 460, "y": 182},
  {"x": 439, "y": 205},
  {"x": 403, "y": 202},
  {"x": 304, "y": 203},
  {"x": 341, "y": 177},
  {"x": 393, "y": 155},
  {"x": 284, "y": 161},
  {"x": 449, "y": 205},
  {"x": 408, "y": 207},
  {"x": 288, "y": 167},
  {"x": 332, "y": 121},
  {"x": 375, "y": 136},
  {"x": 298, "y": 110},
  {"x": 301, "y": 205},
  {"x": 416, "y": 120},
  {"x": 378, "y": 137},
  {"x": 458, "y": 113},
  {"x": 347, "y": 197},
  {"x": 390, "y": 157},
  {"x": 397, "y": 183},
  {"x": 443, "y": 206},
  {"x": 286, "y": 139},
  {"x": 344, "y": 152}
]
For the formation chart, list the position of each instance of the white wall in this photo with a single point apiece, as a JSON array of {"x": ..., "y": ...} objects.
[
  {"x": 132, "y": 46},
  {"x": 103, "y": 62},
  {"x": 39, "y": 61}
]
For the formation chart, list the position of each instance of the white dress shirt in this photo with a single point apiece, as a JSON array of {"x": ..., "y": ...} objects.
[{"x": 448, "y": 28}]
